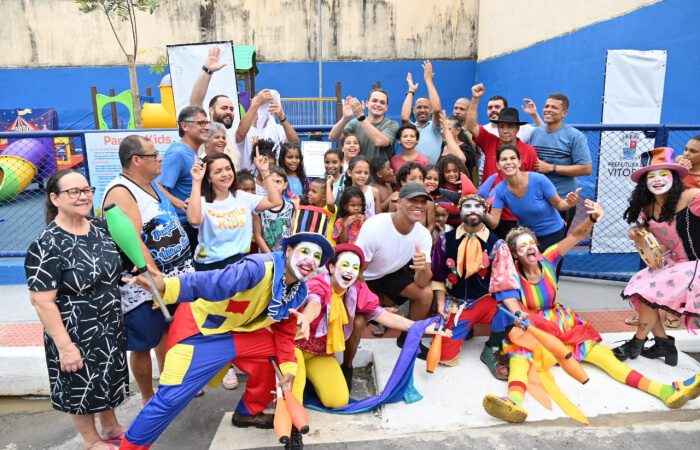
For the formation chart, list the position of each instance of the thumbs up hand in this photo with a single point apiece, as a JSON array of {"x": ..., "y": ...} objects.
[{"x": 419, "y": 259}]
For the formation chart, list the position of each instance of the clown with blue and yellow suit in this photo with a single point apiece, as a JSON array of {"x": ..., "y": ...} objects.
[{"x": 242, "y": 314}]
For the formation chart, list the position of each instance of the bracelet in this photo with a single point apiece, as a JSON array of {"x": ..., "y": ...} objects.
[
  {"x": 207, "y": 71},
  {"x": 266, "y": 176},
  {"x": 592, "y": 219},
  {"x": 554, "y": 168},
  {"x": 411, "y": 92},
  {"x": 283, "y": 120},
  {"x": 361, "y": 118}
]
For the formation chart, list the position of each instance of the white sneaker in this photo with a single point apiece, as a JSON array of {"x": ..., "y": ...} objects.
[{"x": 230, "y": 380}]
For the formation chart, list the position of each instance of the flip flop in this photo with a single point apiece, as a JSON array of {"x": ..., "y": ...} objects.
[
  {"x": 632, "y": 321},
  {"x": 379, "y": 331}
]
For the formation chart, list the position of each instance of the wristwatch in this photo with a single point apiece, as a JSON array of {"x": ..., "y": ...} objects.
[
  {"x": 554, "y": 168},
  {"x": 361, "y": 118},
  {"x": 209, "y": 72}
]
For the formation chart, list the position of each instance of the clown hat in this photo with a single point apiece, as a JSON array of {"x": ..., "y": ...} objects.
[
  {"x": 311, "y": 225},
  {"x": 657, "y": 159},
  {"x": 340, "y": 248}
]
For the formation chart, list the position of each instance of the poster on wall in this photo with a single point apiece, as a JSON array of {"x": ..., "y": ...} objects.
[
  {"x": 186, "y": 63},
  {"x": 634, "y": 86},
  {"x": 313, "y": 152},
  {"x": 102, "y": 152}
]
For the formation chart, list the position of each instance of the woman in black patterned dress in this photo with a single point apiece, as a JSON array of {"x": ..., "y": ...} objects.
[{"x": 72, "y": 273}]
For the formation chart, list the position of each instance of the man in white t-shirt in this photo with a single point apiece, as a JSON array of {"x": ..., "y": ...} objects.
[{"x": 397, "y": 249}]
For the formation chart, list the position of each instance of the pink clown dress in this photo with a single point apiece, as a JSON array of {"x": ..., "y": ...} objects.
[{"x": 674, "y": 287}]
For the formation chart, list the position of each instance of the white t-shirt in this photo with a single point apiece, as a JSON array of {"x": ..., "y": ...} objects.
[
  {"x": 227, "y": 227},
  {"x": 523, "y": 133},
  {"x": 386, "y": 250},
  {"x": 272, "y": 131}
]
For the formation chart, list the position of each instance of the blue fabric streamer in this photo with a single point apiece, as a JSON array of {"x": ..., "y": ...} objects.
[{"x": 400, "y": 383}]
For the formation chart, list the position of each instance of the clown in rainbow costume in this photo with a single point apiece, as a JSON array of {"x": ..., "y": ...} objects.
[
  {"x": 528, "y": 289},
  {"x": 241, "y": 314}
]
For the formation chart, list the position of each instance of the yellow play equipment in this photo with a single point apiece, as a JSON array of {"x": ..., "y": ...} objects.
[{"x": 160, "y": 115}]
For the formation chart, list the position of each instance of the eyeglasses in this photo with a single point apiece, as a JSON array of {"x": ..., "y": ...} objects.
[
  {"x": 147, "y": 155},
  {"x": 201, "y": 123},
  {"x": 75, "y": 192}
]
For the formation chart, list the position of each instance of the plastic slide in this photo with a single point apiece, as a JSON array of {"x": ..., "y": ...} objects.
[
  {"x": 23, "y": 160},
  {"x": 160, "y": 115}
]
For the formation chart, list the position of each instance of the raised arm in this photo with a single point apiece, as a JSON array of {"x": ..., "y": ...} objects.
[
  {"x": 451, "y": 146},
  {"x": 408, "y": 101},
  {"x": 595, "y": 214},
  {"x": 274, "y": 198},
  {"x": 194, "y": 206},
  {"x": 201, "y": 85},
  {"x": 263, "y": 97},
  {"x": 433, "y": 96},
  {"x": 336, "y": 133},
  {"x": 530, "y": 109},
  {"x": 289, "y": 131},
  {"x": 478, "y": 91}
]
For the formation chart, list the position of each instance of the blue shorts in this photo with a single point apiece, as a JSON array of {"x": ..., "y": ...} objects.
[{"x": 144, "y": 327}]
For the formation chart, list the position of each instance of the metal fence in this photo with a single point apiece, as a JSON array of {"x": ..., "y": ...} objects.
[{"x": 27, "y": 159}]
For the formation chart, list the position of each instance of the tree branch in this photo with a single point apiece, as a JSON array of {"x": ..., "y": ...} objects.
[{"x": 104, "y": 9}]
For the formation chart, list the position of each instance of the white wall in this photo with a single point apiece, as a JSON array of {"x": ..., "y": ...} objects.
[{"x": 40, "y": 33}]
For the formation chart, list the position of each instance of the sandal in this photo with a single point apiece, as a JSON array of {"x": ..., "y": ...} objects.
[
  {"x": 632, "y": 321},
  {"x": 671, "y": 322}
]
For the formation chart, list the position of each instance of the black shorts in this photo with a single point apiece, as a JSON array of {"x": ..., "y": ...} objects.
[{"x": 392, "y": 284}]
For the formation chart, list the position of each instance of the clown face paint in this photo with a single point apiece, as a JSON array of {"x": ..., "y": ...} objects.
[
  {"x": 659, "y": 181},
  {"x": 527, "y": 248},
  {"x": 472, "y": 212},
  {"x": 305, "y": 259},
  {"x": 347, "y": 269}
]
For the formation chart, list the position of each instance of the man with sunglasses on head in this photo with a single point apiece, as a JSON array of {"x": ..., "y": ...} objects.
[
  {"x": 175, "y": 179},
  {"x": 164, "y": 245}
]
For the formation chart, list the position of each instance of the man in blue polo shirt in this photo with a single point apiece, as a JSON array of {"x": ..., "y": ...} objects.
[
  {"x": 562, "y": 150},
  {"x": 175, "y": 178},
  {"x": 427, "y": 115}
]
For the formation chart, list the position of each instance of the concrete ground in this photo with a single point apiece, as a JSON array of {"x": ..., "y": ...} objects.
[{"x": 620, "y": 416}]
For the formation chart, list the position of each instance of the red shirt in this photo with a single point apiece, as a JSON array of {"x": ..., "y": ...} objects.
[{"x": 490, "y": 144}]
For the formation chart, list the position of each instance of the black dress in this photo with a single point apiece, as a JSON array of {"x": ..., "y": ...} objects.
[{"x": 85, "y": 271}]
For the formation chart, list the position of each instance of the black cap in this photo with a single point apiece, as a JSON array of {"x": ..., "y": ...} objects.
[
  {"x": 413, "y": 190},
  {"x": 509, "y": 115}
]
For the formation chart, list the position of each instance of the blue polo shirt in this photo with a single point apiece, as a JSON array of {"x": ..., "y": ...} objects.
[
  {"x": 565, "y": 147},
  {"x": 175, "y": 173}
]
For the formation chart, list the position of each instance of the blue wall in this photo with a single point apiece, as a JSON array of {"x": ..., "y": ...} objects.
[
  {"x": 68, "y": 89},
  {"x": 575, "y": 63}
]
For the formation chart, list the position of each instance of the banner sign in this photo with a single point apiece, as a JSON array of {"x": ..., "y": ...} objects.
[{"x": 102, "y": 150}]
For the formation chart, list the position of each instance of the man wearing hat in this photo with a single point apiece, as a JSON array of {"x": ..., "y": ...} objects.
[
  {"x": 241, "y": 314},
  {"x": 461, "y": 276},
  {"x": 508, "y": 124},
  {"x": 498, "y": 102},
  {"x": 397, "y": 250}
]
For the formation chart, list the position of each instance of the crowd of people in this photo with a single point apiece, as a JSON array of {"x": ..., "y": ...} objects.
[{"x": 462, "y": 221}]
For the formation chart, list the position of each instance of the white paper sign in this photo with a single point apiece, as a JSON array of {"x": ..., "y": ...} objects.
[
  {"x": 313, "y": 152},
  {"x": 102, "y": 153},
  {"x": 186, "y": 63}
]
